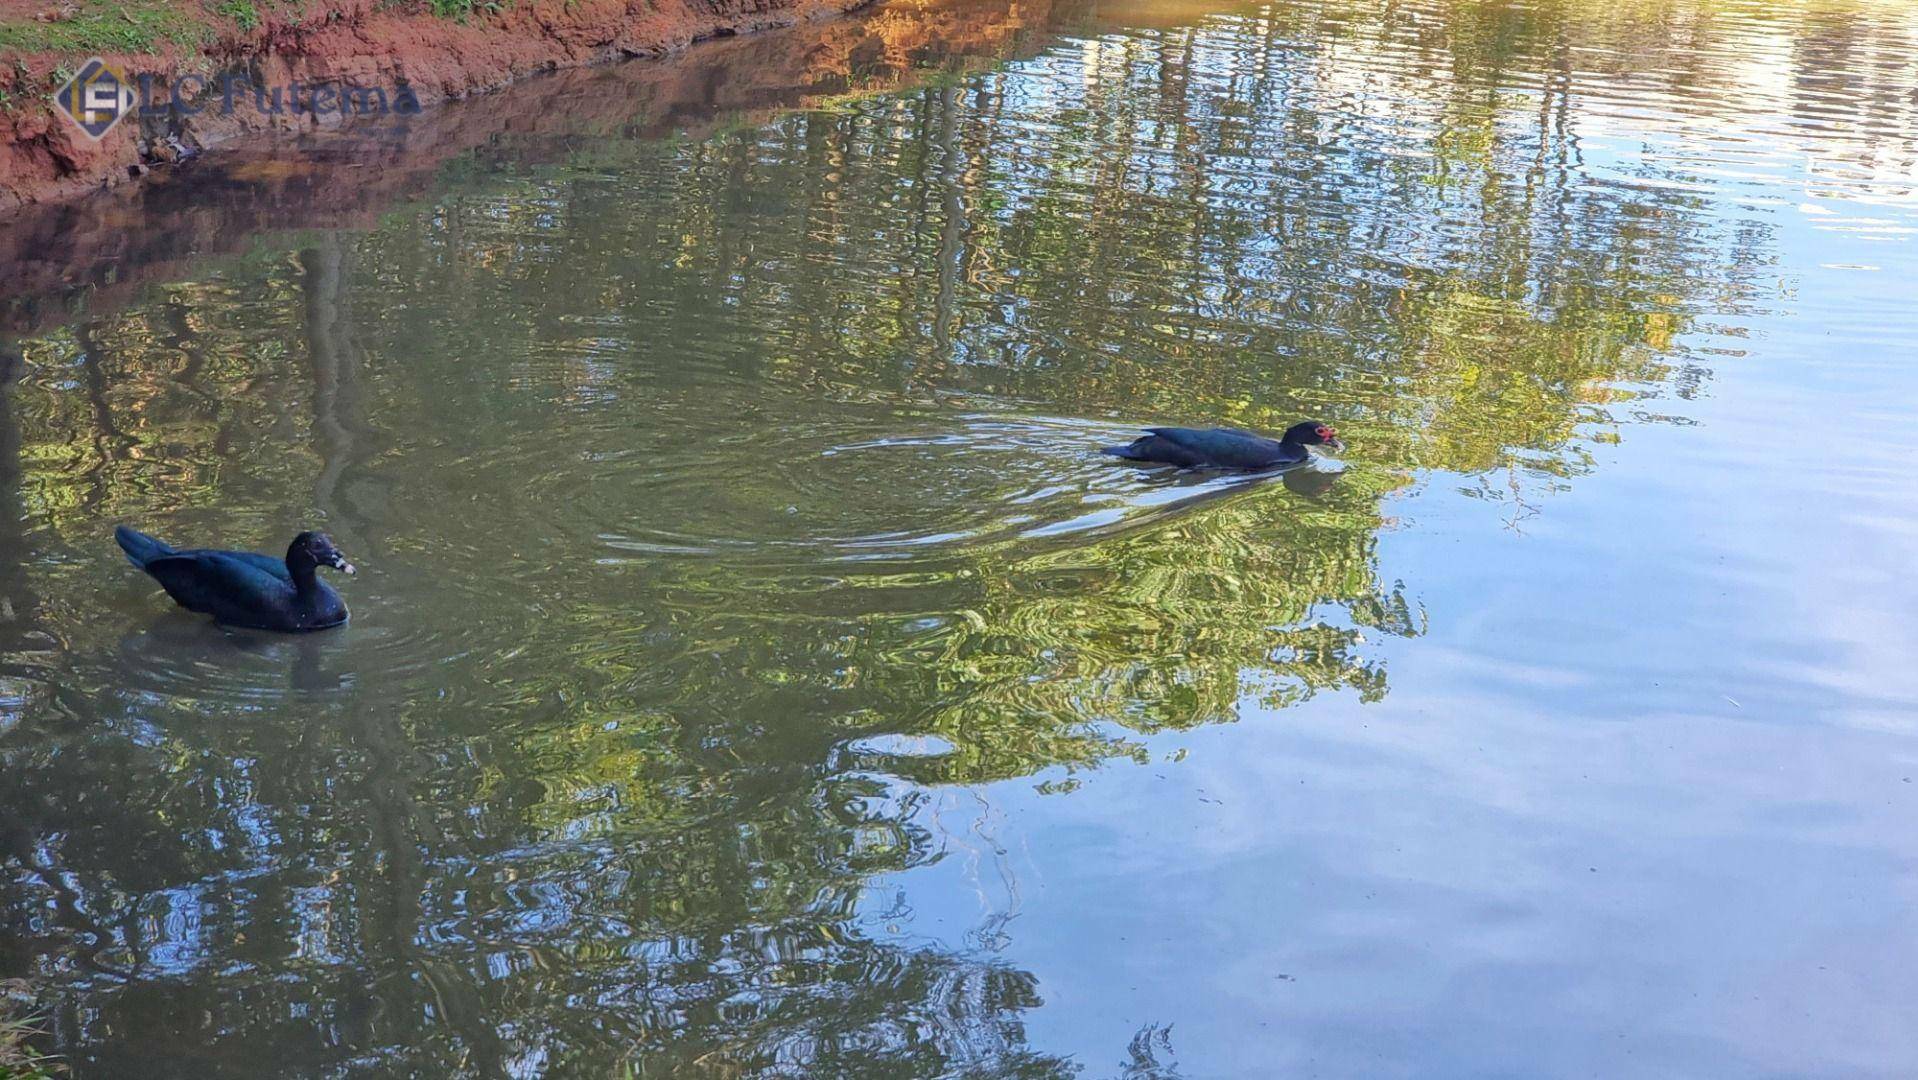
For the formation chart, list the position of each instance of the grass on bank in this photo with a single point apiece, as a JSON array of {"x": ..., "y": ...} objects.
[
  {"x": 109, "y": 26},
  {"x": 89, "y": 27}
]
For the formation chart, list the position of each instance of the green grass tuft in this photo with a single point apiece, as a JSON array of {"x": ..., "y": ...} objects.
[
  {"x": 18, "y": 1061},
  {"x": 242, "y": 12},
  {"x": 461, "y": 10}
]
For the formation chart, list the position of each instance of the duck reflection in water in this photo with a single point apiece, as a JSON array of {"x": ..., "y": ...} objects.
[{"x": 180, "y": 654}]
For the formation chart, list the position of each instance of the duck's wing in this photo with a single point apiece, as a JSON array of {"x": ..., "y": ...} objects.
[
  {"x": 1155, "y": 448},
  {"x": 219, "y": 581},
  {"x": 272, "y": 564},
  {"x": 1228, "y": 447},
  {"x": 143, "y": 549}
]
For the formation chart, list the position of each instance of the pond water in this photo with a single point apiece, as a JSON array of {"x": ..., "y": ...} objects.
[{"x": 754, "y": 671}]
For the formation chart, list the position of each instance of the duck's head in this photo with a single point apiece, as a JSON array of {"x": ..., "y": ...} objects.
[
  {"x": 317, "y": 548},
  {"x": 1313, "y": 433}
]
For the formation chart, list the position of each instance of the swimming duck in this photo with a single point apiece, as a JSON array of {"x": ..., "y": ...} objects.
[
  {"x": 1226, "y": 448},
  {"x": 240, "y": 588}
]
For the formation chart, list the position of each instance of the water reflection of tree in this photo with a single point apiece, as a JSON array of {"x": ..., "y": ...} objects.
[
  {"x": 653, "y": 853},
  {"x": 16, "y": 602},
  {"x": 1479, "y": 297}
]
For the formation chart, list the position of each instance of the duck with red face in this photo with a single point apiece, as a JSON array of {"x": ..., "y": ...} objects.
[{"x": 1226, "y": 448}]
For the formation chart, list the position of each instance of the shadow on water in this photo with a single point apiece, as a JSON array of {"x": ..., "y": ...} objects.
[{"x": 717, "y": 441}]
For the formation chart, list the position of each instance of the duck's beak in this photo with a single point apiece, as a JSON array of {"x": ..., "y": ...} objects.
[
  {"x": 344, "y": 567},
  {"x": 1336, "y": 443}
]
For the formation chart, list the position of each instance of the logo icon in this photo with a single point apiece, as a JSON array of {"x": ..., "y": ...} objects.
[{"x": 97, "y": 98}]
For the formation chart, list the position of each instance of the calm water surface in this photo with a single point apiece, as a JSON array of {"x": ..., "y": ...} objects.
[{"x": 753, "y": 673}]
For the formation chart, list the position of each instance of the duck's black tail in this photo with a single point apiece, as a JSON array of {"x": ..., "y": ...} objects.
[
  {"x": 141, "y": 549},
  {"x": 1130, "y": 451}
]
